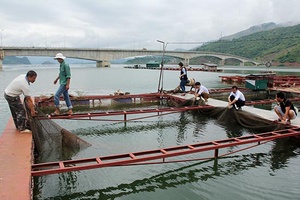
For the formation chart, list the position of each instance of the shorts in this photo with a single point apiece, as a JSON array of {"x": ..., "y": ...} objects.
[{"x": 282, "y": 114}]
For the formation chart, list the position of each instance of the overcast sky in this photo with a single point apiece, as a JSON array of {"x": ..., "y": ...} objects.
[{"x": 134, "y": 24}]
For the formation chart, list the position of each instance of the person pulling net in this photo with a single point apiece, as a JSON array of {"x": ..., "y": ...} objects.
[{"x": 243, "y": 118}]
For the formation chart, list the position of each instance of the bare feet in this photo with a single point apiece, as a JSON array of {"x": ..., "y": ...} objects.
[
  {"x": 70, "y": 112},
  {"x": 55, "y": 113}
]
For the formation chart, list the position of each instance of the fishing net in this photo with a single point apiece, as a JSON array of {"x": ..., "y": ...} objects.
[
  {"x": 227, "y": 116},
  {"x": 245, "y": 119},
  {"x": 52, "y": 142}
]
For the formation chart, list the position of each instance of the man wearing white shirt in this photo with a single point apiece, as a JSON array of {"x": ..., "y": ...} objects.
[
  {"x": 201, "y": 91},
  {"x": 20, "y": 85},
  {"x": 236, "y": 98}
]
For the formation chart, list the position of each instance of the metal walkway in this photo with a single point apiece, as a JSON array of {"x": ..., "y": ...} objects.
[
  {"x": 127, "y": 112},
  {"x": 139, "y": 157},
  {"x": 144, "y": 111}
]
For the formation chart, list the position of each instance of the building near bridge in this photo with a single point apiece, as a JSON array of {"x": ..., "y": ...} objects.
[
  {"x": 209, "y": 66},
  {"x": 153, "y": 64}
]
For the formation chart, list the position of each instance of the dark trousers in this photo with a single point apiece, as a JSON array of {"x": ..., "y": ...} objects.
[
  {"x": 17, "y": 111},
  {"x": 239, "y": 103}
]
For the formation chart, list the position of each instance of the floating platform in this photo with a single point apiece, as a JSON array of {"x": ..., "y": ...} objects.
[
  {"x": 274, "y": 80},
  {"x": 16, "y": 150},
  {"x": 176, "y": 68},
  {"x": 148, "y": 156}
]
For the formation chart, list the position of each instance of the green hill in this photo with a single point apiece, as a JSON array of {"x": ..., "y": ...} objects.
[
  {"x": 279, "y": 45},
  {"x": 251, "y": 30}
]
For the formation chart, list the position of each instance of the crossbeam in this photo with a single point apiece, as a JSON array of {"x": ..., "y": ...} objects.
[
  {"x": 139, "y": 157},
  {"x": 127, "y": 112}
]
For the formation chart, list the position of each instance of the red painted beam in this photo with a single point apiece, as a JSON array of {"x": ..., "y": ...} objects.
[
  {"x": 138, "y": 157},
  {"x": 128, "y": 112}
]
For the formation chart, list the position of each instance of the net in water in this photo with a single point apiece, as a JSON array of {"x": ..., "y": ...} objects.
[
  {"x": 241, "y": 117},
  {"x": 52, "y": 142}
]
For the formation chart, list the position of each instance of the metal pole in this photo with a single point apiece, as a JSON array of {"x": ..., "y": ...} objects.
[{"x": 160, "y": 82}]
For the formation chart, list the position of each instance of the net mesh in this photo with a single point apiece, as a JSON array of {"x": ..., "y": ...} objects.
[
  {"x": 227, "y": 116},
  {"x": 245, "y": 119},
  {"x": 52, "y": 142}
]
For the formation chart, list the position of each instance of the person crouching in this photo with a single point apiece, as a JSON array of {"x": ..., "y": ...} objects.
[{"x": 285, "y": 110}]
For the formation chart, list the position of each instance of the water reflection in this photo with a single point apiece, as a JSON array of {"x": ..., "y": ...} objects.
[
  {"x": 283, "y": 150},
  {"x": 198, "y": 172},
  {"x": 120, "y": 128},
  {"x": 278, "y": 158},
  {"x": 181, "y": 126}
]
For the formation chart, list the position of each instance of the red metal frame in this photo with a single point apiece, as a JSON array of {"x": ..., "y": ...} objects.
[
  {"x": 144, "y": 111},
  {"x": 139, "y": 157},
  {"x": 268, "y": 101},
  {"x": 125, "y": 113}
]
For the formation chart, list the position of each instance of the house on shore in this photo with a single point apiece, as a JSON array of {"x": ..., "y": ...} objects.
[
  {"x": 210, "y": 66},
  {"x": 153, "y": 64}
]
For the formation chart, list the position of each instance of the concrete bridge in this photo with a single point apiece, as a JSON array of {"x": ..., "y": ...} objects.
[{"x": 104, "y": 56}]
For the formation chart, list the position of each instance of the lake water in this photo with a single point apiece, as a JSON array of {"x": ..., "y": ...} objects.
[{"x": 269, "y": 171}]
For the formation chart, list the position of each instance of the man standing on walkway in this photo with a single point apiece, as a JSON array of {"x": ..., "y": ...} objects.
[
  {"x": 183, "y": 77},
  {"x": 285, "y": 110},
  {"x": 236, "y": 98},
  {"x": 64, "y": 81},
  {"x": 20, "y": 85}
]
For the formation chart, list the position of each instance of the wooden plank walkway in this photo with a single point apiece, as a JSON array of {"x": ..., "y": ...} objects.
[
  {"x": 15, "y": 163},
  {"x": 266, "y": 114}
]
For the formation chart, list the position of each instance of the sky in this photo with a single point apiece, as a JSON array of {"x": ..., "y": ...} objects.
[{"x": 134, "y": 24}]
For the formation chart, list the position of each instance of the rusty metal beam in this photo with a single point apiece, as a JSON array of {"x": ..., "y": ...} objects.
[
  {"x": 139, "y": 157},
  {"x": 127, "y": 112}
]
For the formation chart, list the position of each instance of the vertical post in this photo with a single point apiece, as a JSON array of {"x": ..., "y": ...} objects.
[
  {"x": 1, "y": 57},
  {"x": 216, "y": 153},
  {"x": 215, "y": 167},
  {"x": 160, "y": 82}
]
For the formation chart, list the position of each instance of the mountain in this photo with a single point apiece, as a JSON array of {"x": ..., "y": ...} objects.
[
  {"x": 15, "y": 60},
  {"x": 251, "y": 30},
  {"x": 40, "y": 60},
  {"x": 280, "y": 45}
]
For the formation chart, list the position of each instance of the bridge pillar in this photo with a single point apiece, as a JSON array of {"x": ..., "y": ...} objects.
[
  {"x": 187, "y": 62},
  {"x": 242, "y": 63},
  {"x": 1, "y": 57},
  {"x": 103, "y": 63},
  {"x": 222, "y": 62}
]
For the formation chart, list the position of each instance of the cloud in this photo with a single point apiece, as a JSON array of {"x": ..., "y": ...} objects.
[{"x": 134, "y": 23}]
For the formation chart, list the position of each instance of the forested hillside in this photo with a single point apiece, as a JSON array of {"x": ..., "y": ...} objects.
[{"x": 280, "y": 45}]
